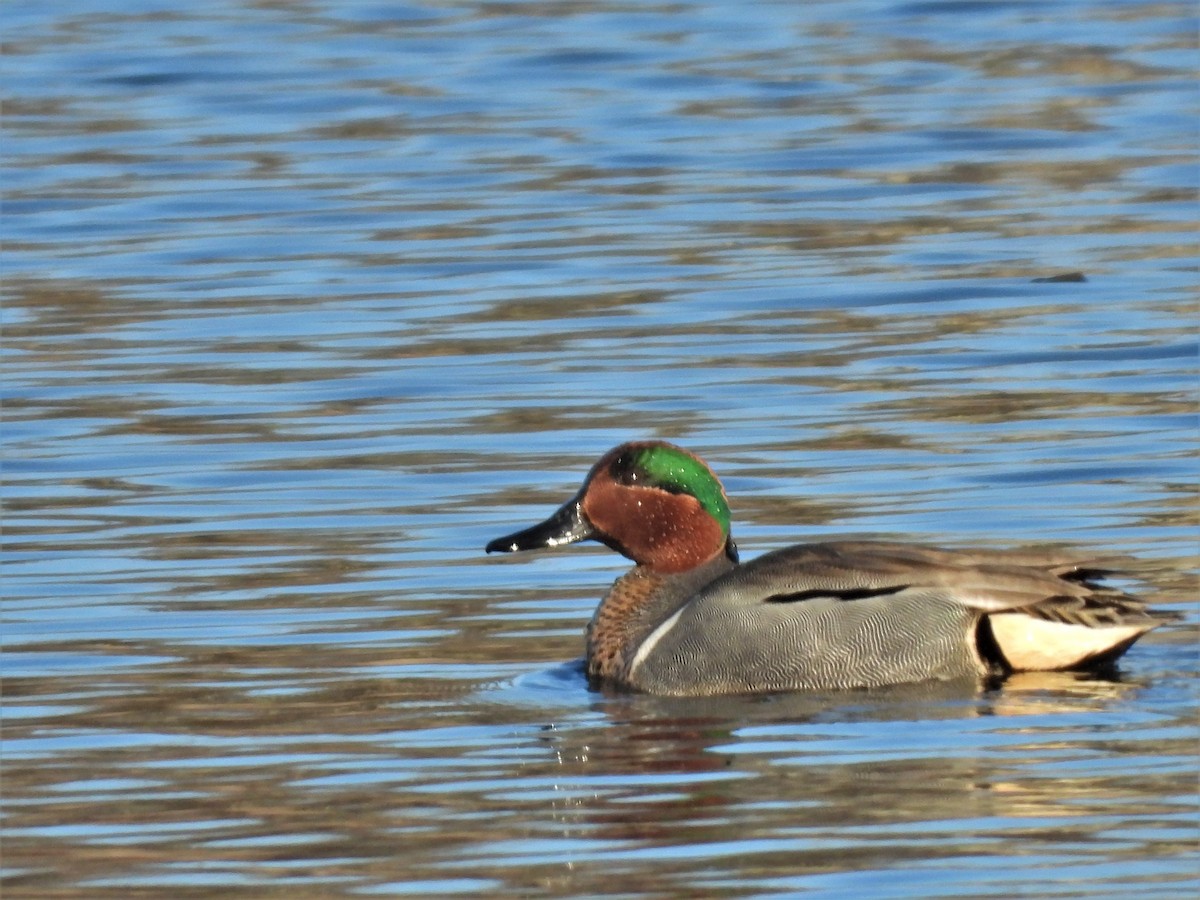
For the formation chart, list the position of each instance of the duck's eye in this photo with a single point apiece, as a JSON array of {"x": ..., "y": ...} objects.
[{"x": 625, "y": 470}]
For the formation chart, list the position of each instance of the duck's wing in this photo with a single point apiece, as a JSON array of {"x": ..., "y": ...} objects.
[
  {"x": 1040, "y": 610},
  {"x": 987, "y": 581}
]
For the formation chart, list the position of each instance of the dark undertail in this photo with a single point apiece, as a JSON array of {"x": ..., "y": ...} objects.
[{"x": 989, "y": 650}]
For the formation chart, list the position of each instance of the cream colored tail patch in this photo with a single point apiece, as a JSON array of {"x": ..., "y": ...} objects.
[{"x": 1035, "y": 645}]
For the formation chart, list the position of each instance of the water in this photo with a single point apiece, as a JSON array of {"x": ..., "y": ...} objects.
[{"x": 303, "y": 303}]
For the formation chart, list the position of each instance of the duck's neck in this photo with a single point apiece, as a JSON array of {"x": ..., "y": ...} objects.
[{"x": 638, "y": 602}]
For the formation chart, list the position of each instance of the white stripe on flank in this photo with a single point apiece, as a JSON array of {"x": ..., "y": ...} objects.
[{"x": 648, "y": 644}]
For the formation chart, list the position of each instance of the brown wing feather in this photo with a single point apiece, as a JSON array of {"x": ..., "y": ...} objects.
[{"x": 1045, "y": 584}]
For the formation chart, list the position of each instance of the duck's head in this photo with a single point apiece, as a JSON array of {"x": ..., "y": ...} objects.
[{"x": 649, "y": 500}]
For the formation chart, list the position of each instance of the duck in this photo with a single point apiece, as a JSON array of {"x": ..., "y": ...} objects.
[{"x": 691, "y": 619}]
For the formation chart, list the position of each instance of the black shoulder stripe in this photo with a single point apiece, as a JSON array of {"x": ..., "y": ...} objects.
[{"x": 836, "y": 594}]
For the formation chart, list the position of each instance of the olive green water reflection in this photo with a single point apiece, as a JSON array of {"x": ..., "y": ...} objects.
[{"x": 303, "y": 304}]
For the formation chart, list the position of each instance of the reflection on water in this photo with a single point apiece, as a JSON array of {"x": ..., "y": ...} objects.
[{"x": 302, "y": 304}]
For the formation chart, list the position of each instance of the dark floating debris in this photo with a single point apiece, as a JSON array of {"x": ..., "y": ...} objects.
[{"x": 1065, "y": 277}]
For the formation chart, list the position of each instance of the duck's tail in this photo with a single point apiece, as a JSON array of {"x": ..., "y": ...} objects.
[{"x": 1086, "y": 628}]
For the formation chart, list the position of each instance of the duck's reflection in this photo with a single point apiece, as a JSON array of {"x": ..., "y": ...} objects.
[{"x": 836, "y": 779}]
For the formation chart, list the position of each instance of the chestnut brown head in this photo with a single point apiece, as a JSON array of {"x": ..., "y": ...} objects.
[{"x": 649, "y": 500}]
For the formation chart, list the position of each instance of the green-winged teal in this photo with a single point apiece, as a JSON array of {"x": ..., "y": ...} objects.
[{"x": 688, "y": 619}]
